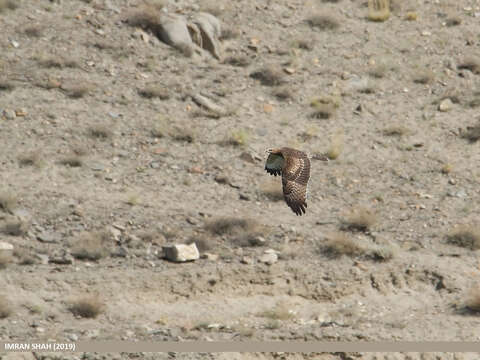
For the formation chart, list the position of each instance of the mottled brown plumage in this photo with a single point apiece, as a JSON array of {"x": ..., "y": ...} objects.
[{"x": 294, "y": 166}]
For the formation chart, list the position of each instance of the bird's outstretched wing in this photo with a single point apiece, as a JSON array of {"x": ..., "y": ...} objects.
[{"x": 295, "y": 176}]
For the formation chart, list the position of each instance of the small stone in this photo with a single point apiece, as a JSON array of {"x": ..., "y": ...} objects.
[
  {"x": 247, "y": 157},
  {"x": 267, "y": 108},
  {"x": 445, "y": 105},
  {"x": 4, "y": 246},
  {"x": 114, "y": 232},
  {"x": 181, "y": 252},
  {"x": 196, "y": 170},
  {"x": 452, "y": 181},
  {"x": 62, "y": 257},
  {"x": 221, "y": 179},
  {"x": 269, "y": 258},
  {"x": 44, "y": 259},
  {"x": 247, "y": 260},
  {"x": 20, "y": 112},
  {"x": 72, "y": 337},
  {"x": 289, "y": 70},
  {"x": 14, "y": 43},
  {"x": 119, "y": 252},
  {"x": 426, "y": 33},
  {"x": 244, "y": 197},
  {"x": 258, "y": 241},
  {"x": 47, "y": 237},
  {"x": 210, "y": 256},
  {"x": 9, "y": 114}
]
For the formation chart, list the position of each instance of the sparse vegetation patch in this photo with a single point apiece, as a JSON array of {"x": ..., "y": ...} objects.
[
  {"x": 471, "y": 64},
  {"x": 467, "y": 236},
  {"x": 359, "y": 219},
  {"x": 269, "y": 76},
  {"x": 5, "y": 307},
  {"x": 378, "y": 10},
  {"x": 87, "y": 307},
  {"x": 339, "y": 244},
  {"x": 323, "y": 22},
  {"x": 90, "y": 246}
]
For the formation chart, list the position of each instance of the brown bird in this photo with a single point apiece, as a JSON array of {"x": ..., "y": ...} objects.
[{"x": 294, "y": 166}]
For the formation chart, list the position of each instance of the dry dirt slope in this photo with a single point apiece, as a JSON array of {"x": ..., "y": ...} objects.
[{"x": 92, "y": 167}]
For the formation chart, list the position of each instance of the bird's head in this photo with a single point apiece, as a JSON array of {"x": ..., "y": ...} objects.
[{"x": 273, "y": 151}]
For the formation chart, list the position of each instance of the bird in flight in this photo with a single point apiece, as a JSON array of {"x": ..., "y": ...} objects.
[{"x": 294, "y": 166}]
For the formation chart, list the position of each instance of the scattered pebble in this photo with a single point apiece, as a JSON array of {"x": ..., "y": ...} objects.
[{"x": 445, "y": 105}]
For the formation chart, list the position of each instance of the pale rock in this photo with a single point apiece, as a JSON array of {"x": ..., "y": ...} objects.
[
  {"x": 4, "y": 246},
  {"x": 445, "y": 105},
  {"x": 181, "y": 252},
  {"x": 269, "y": 257},
  {"x": 210, "y": 256}
]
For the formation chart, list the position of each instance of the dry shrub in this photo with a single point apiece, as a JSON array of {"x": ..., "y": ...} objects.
[
  {"x": 382, "y": 253},
  {"x": 24, "y": 257},
  {"x": 378, "y": 10},
  {"x": 367, "y": 87},
  {"x": 336, "y": 145},
  {"x": 202, "y": 242},
  {"x": 33, "y": 30},
  {"x": 359, "y": 219},
  {"x": 471, "y": 64},
  {"x": 31, "y": 159},
  {"x": 283, "y": 93},
  {"x": 9, "y": 5},
  {"x": 238, "y": 60},
  {"x": 100, "y": 131},
  {"x": 56, "y": 61},
  {"x": 378, "y": 71},
  {"x": 8, "y": 202},
  {"x": 474, "y": 101},
  {"x": 6, "y": 85},
  {"x": 154, "y": 91},
  {"x": 237, "y": 138},
  {"x": 446, "y": 168},
  {"x": 279, "y": 312},
  {"x": 396, "y": 130},
  {"x": 146, "y": 17},
  {"x": 87, "y": 307},
  {"x": 90, "y": 246},
  {"x": 303, "y": 44},
  {"x": 324, "y": 107},
  {"x": 182, "y": 133},
  {"x": 5, "y": 307},
  {"x": 424, "y": 76},
  {"x": 411, "y": 16},
  {"x": 229, "y": 33},
  {"x": 338, "y": 244},
  {"x": 269, "y": 75},
  {"x": 272, "y": 190},
  {"x": 309, "y": 133},
  {"x": 467, "y": 236},
  {"x": 471, "y": 133},
  {"x": 453, "y": 21},
  {"x": 72, "y": 161},
  {"x": 78, "y": 90},
  {"x": 323, "y": 22},
  {"x": 241, "y": 231}
]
